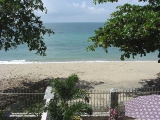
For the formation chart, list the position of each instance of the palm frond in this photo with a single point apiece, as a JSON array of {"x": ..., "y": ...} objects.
[
  {"x": 55, "y": 110},
  {"x": 80, "y": 94},
  {"x": 78, "y": 108},
  {"x": 65, "y": 92}
]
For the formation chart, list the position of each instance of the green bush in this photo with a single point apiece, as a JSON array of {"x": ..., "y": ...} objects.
[
  {"x": 0, "y": 115},
  {"x": 65, "y": 91},
  {"x": 76, "y": 118},
  {"x": 36, "y": 109}
]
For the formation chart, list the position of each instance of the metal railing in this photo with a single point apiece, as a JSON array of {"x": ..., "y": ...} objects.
[
  {"x": 99, "y": 100},
  {"x": 21, "y": 100},
  {"x": 17, "y": 103},
  {"x": 123, "y": 96}
]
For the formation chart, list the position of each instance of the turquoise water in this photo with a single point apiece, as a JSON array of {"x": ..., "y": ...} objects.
[{"x": 69, "y": 44}]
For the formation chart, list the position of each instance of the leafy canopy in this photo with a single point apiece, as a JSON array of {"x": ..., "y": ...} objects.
[
  {"x": 103, "y": 1},
  {"x": 153, "y": 2},
  {"x": 133, "y": 29},
  {"x": 20, "y": 25}
]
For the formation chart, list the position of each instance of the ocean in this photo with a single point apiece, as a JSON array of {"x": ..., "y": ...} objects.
[{"x": 68, "y": 44}]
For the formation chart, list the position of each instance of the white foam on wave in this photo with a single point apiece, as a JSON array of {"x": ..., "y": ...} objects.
[
  {"x": 40, "y": 62},
  {"x": 15, "y": 62}
]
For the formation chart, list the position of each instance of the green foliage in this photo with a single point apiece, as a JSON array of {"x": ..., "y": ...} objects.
[
  {"x": 66, "y": 89},
  {"x": 0, "y": 115},
  {"x": 36, "y": 109},
  {"x": 153, "y": 2},
  {"x": 62, "y": 106},
  {"x": 77, "y": 108},
  {"x": 133, "y": 29},
  {"x": 102, "y": 1},
  {"x": 76, "y": 118},
  {"x": 55, "y": 110},
  {"x": 19, "y": 25}
]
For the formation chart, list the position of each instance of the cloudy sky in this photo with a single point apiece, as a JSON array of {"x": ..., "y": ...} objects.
[{"x": 79, "y": 10}]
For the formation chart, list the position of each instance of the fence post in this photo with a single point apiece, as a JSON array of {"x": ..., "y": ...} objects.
[
  {"x": 47, "y": 97},
  {"x": 113, "y": 98}
]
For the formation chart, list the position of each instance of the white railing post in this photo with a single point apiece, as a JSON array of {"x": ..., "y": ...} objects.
[{"x": 47, "y": 97}]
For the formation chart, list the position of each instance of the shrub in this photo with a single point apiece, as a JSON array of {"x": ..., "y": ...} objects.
[{"x": 65, "y": 91}]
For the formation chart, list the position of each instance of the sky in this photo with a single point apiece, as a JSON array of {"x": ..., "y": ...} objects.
[{"x": 79, "y": 10}]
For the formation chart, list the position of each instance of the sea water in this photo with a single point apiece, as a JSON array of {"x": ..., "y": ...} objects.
[{"x": 68, "y": 44}]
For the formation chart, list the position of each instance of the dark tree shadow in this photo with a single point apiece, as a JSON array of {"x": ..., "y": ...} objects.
[
  {"x": 28, "y": 93},
  {"x": 149, "y": 86},
  {"x": 15, "y": 95},
  {"x": 152, "y": 84}
]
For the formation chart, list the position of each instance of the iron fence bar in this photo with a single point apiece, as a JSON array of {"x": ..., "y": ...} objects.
[
  {"x": 94, "y": 101},
  {"x": 106, "y": 100},
  {"x": 91, "y": 97},
  {"x": 97, "y": 99},
  {"x": 124, "y": 93},
  {"x": 103, "y": 99},
  {"x": 100, "y": 101},
  {"x": 20, "y": 93}
]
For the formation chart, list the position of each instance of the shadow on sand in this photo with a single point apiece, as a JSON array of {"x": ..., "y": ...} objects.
[
  {"x": 13, "y": 95},
  {"x": 150, "y": 84}
]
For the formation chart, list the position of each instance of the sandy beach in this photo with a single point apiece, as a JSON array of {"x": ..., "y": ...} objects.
[{"x": 120, "y": 75}]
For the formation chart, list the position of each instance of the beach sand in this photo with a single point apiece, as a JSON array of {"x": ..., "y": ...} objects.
[{"x": 103, "y": 75}]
